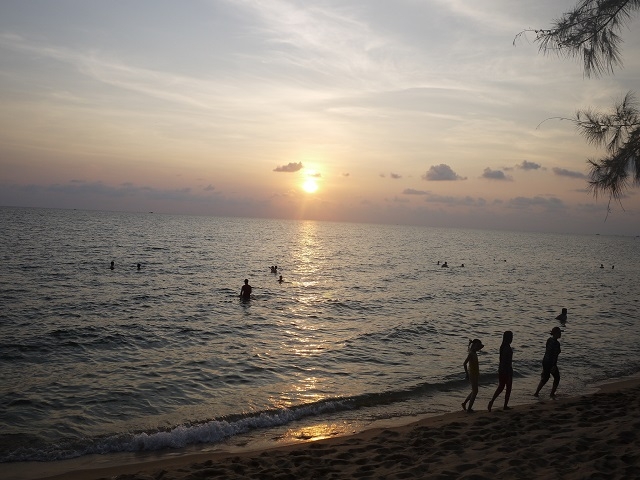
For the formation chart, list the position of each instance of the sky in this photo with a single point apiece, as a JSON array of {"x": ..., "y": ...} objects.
[{"x": 418, "y": 112}]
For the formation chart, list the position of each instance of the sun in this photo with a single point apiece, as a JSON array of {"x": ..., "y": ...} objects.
[{"x": 310, "y": 185}]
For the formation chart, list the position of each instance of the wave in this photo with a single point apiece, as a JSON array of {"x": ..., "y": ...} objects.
[{"x": 207, "y": 432}]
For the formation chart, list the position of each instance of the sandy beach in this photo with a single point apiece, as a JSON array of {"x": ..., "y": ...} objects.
[{"x": 596, "y": 436}]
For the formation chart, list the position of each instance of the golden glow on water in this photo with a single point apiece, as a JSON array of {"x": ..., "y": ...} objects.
[
  {"x": 308, "y": 251},
  {"x": 303, "y": 335},
  {"x": 316, "y": 432}
]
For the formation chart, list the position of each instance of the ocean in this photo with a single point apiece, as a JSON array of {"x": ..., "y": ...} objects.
[{"x": 366, "y": 328}]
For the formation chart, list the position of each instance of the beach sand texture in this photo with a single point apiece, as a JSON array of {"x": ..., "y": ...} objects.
[{"x": 594, "y": 436}]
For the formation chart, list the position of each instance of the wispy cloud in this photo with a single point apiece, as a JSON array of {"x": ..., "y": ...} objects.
[
  {"x": 328, "y": 41},
  {"x": 551, "y": 203},
  {"x": 413, "y": 191},
  {"x": 466, "y": 201},
  {"x": 562, "y": 172},
  {"x": 80, "y": 188}
]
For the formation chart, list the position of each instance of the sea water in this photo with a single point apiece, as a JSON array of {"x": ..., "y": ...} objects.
[{"x": 366, "y": 327}]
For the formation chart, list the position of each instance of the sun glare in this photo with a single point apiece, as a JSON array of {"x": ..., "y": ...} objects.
[{"x": 310, "y": 185}]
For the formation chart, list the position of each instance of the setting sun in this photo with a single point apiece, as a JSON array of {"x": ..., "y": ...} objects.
[{"x": 310, "y": 185}]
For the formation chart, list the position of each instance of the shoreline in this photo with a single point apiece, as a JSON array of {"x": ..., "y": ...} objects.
[{"x": 573, "y": 437}]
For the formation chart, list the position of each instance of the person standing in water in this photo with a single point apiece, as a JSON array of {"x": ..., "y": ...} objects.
[
  {"x": 472, "y": 373},
  {"x": 550, "y": 362},
  {"x": 245, "y": 291},
  {"x": 505, "y": 370},
  {"x": 563, "y": 316}
]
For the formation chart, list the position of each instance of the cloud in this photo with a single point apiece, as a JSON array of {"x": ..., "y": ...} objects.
[
  {"x": 551, "y": 203},
  {"x": 328, "y": 41},
  {"x": 495, "y": 175},
  {"x": 395, "y": 176},
  {"x": 209, "y": 188},
  {"x": 346, "y": 174},
  {"x": 290, "y": 167},
  {"x": 315, "y": 175},
  {"x": 441, "y": 172},
  {"x": 568, "y": 173},
  {"x": 126, "y": 190},
  {"x": 526, "y": 165},
  {"x": 466, "y": 201},
  {"x": 412, "y": 191}
]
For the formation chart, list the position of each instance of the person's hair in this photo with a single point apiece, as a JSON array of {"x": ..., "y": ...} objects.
[
  {"x": 472, "y": 342},
  {"x": 507, "y": 336}
]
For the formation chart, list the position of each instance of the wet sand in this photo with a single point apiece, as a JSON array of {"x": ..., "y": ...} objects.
[{"x": 595, "y": 436}]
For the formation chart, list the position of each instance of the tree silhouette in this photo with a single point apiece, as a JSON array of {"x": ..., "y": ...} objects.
[{"x": 591, "y": 31}]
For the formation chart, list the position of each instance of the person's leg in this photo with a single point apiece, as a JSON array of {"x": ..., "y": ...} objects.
[
  {"x": 474, "y": 392},
  {"x": 498, "y": 391},
  {"x": 464, "y": 404},
  {"x": 543, "y": 379},
  {"x": 556, "y": 381},
  {"x": 507, "y": 393}
]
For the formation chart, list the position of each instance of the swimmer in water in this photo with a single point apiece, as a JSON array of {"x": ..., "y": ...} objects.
[
  {"x": 563, "y": 316},
  {"x": 245, "y": 291}
]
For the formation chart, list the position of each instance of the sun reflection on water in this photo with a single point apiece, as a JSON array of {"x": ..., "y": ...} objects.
[
  {"x": 316, "y": 432},
  {"x": 303, "y": 333}
]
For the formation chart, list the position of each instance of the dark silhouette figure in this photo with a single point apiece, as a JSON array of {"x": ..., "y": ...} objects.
[
  {"x": 550, "y": 363},
  {"x": 472, "y": 373},
  {"x": 280, "y": 280},
  {"x": 139, "y": 266},
  {"x": 563, "y": 316},
  {"x": 112, "y": 266},
  {"x": 601, "y": 266},
  {"x": 444, "y": 265},
  {"x": 245, "y": 291},
  {"x": 505, "y": 370}
]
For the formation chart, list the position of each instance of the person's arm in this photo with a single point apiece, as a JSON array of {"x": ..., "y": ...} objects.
[
  {"x": 556, "y": 353},
  {"x": 466, "y": 371}
]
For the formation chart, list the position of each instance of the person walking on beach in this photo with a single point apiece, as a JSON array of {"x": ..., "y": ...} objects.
[
  {"x": 505, "y": 370},
  {"x": 472, "y": 373},
  {"x": 550, "y": 363},
  {"x": 245, "y": 291}
]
